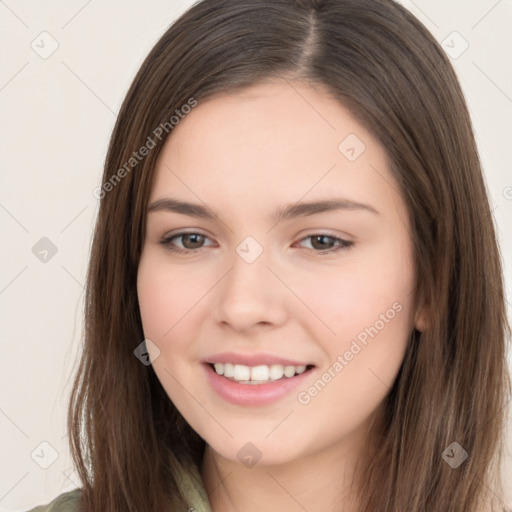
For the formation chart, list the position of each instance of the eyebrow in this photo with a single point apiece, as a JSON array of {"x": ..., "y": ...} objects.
[{"x": 291, "y": 211}]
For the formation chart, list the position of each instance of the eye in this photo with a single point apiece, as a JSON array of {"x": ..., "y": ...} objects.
[
  {"x": 323, "y": 243},
  {"x": 191, "y": 241}
]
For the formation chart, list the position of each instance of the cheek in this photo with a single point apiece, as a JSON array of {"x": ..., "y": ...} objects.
[
  {"x": 168, "y": 301},
  {"x": 368, "y": 305},
  {"x": 379, "y": 320},
  {"x": 370, "y": 313},
  {"x": 166, "y": 297},
  {"x": 157, "y": 305},
  {"x": 370, "y": 288}
]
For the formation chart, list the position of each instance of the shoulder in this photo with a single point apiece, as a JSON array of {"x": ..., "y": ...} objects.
[{"x": 66, "y": 502}]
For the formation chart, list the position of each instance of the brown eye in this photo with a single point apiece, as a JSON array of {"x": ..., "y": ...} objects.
[
  {"x": 324, "y": 243},
  {"x": 190, "y": 242}
]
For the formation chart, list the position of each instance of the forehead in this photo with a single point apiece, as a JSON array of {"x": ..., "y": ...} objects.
[
  {"x": 273, "y": 121},
  {"x": 277, "y": 141}
]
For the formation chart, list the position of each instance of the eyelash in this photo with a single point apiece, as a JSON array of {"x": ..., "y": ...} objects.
[{"x": 166, "y": 243}]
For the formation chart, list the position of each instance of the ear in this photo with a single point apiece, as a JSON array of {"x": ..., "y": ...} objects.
[{"x": 420, "y": 320}]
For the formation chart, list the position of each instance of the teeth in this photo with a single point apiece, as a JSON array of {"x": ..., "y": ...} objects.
[
  {"x": 229, "y": 370},
  {"x": 289, "y": 371},
  {"x": 276, "y": 371},
  {"x": 242, "y": 372},
  {"x": 257, "y": 374},
  {"x": 260, "y": 373}
]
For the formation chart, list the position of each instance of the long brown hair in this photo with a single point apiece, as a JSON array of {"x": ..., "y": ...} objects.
[{"x": 128, "y": 441}]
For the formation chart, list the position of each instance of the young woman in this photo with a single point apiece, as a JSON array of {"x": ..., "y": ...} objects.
[{"x": 295, "y": 295}]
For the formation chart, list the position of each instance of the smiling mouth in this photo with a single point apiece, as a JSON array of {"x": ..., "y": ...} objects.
[{"x": 261, "y": 374}]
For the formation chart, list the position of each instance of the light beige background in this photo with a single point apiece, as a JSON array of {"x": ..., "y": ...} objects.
[{"x": 56, "y": 115}]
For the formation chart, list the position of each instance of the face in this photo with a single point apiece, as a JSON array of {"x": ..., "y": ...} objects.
[{"x": 323, "y": 293}]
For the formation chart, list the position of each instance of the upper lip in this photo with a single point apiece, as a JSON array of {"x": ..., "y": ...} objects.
[{"x": 252, "y": 359}]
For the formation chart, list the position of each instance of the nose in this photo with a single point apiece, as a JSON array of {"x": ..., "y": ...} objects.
[{"x": 250, "y": 296}]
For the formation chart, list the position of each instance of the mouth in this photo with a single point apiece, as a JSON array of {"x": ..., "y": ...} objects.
[
  {"x": 260, "y": 374},
  {"x": 260, "y": 385}
]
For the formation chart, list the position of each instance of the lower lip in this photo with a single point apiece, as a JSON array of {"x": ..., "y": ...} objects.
[{"x": 253, "y": 394}]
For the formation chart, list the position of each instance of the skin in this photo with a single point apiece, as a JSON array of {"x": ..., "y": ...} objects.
[{"x": 243, "y": 155}]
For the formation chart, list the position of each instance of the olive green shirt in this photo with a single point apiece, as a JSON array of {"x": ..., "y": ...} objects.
[{"x": 190, "y": 483}]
